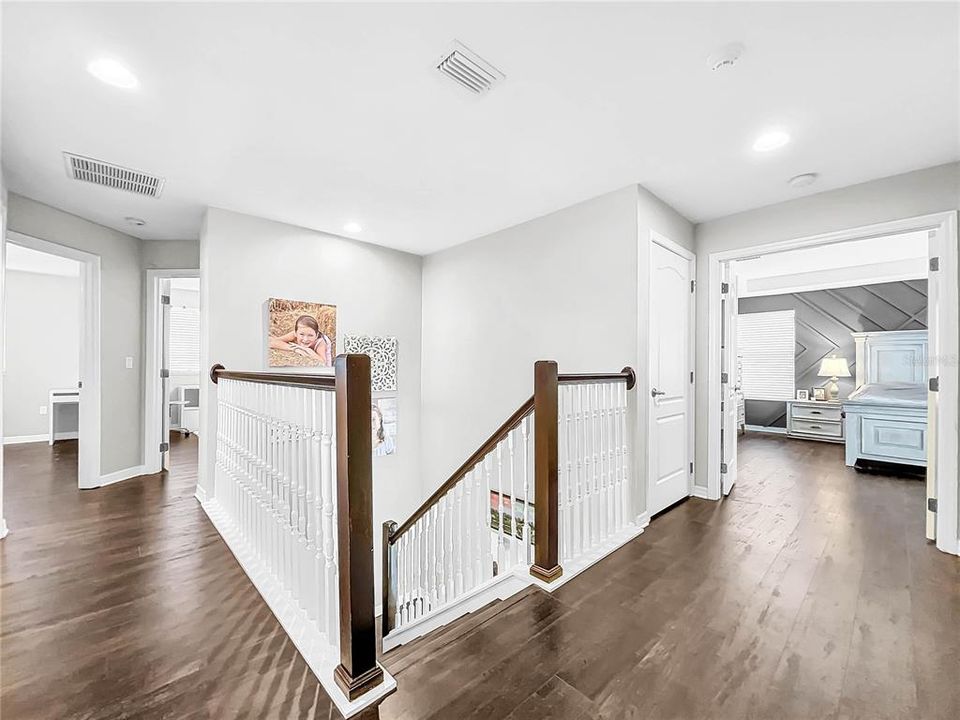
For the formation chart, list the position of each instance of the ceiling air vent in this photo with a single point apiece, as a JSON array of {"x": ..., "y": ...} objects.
[
  {"x": 468, "y": 69},
  {"x": 113, "y": 176}
]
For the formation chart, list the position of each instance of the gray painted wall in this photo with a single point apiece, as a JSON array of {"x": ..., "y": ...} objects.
[
  {"x": 247, "y": 260},
  {"x": 561, "y": 287},
  {"x": 825, "y": 320},
  {"x": 38, "y": 307}
]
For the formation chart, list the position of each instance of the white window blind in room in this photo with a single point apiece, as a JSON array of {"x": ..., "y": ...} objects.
[
  {"x": 766, "y": 343},
  {"x": 184, "y": 340}
]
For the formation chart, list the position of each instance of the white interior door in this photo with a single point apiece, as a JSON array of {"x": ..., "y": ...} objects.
[
  {"x": 729, "y": 378},
  {"x": 670, "y": 382},
  {"x": 164, "y": 439}
]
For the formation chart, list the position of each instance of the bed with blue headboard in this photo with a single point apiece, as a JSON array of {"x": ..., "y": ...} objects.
[{"x": 886, "y": 416}]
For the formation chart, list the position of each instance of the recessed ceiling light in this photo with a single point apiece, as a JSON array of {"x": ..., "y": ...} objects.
[
  {"x": 352, "y": 227},
  {"x": 803, "y": 180},
  {"x": 135, "y": 221},
  {"x": 113, "y": 73},
  {"x": 725, "y": 58},
  {"x": 771, "y": 140}
]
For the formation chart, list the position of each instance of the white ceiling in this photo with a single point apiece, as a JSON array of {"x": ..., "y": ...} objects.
[
  {"x": 34, "y": 261},
  {"x": 320, "y": 114}
]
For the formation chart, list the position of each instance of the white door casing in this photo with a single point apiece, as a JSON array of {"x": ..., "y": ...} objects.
[
  {"x": 670, "y": 381},
  {"x": 728, "y": 389}
]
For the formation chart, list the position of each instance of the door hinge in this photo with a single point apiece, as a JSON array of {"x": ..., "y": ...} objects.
[
  {"x": 691, "y": 376},
  {"x": 693, "y": 286},
  {"x": 934, "y": 384},
  {"x": 164, "y": 299},
  {"x": 724, "y": 377},
  {"x": 932, "y": 504},
  {"x": 934, "y": 264},
  {"x": 724, "y": 288},
  {"x": 691, "y": 468},
  {"x": 164, "y": 447},
  {"x": 164, "y": 373},
  {"x": 723, "y": 468}
]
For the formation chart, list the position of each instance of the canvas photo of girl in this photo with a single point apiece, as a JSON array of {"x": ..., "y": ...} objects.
[{"x": 301, "y": 334}]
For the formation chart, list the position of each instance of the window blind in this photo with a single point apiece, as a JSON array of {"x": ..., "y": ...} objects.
[
  {"x": 766, "y": 343},
  {"x": 184, "y": 340}
]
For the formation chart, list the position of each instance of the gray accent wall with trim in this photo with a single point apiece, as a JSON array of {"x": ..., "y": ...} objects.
[{"x": 825, "y": 320}]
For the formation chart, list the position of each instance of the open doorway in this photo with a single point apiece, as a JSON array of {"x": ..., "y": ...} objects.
[
  {"x": 834, "y": 361},
  {"x": 51, "y": 361},
  {"x": 172, "y": 389}
]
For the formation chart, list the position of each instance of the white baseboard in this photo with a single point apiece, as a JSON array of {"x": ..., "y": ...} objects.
[
  {"x": 497, "y": 588},
  {"x": 200, "y": 494},
  {"x": 21, "y": 439},
  {"x": 700, "y": 492},
  {"x": 4, "y": 530},
  {"x": 118, "y": 475},
  {"x": 320, "y": 655},
  {"x": 765, "y": 429}
]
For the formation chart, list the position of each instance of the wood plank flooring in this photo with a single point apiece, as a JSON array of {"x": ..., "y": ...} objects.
[
  {"x": 123, "y": 602},
  {"x": 809, "y": 593}
]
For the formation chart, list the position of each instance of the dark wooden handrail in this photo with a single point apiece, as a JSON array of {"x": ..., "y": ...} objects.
[
  {"x": 314, "y": 382},
  {"x": 501, "y": 432},
  {"x": 627, "y": 375}
]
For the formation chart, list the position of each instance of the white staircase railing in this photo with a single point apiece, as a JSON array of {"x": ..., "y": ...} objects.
[
  {"x": 550, "y": 492},
  {"x": 292, "y": 499}
]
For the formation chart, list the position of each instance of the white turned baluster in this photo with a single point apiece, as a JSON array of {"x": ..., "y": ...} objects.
[
  {"x": 469, "y": 527},
  {"x": 512, "y": 512},
  {"x": 527, "y": 492},
  {"x": 458, "y": 539},
  {"x": 604, "y": 438},
  {"x": 450, "y": 531},
  {"x": 500, "y": 508}
]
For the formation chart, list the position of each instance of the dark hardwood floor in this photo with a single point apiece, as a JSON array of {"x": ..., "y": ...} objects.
[
  {"x": 808, "y": 593},
  {"x": 123, "y": 602}
]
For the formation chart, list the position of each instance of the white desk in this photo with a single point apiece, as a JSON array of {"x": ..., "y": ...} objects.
[{"x": 61, "y": 398}]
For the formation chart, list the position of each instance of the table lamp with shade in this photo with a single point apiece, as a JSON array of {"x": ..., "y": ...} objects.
[{"x": 833, "y": 367}]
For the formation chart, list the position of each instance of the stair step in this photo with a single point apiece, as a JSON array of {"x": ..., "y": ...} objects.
[{"x": 404, "y": 656}]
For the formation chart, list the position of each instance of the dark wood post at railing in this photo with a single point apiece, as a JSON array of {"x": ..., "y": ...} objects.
[
  {"x": 546, "y": 565},
  {"x": 388, "y": 591},
  {"x": 358, "y": 670}
]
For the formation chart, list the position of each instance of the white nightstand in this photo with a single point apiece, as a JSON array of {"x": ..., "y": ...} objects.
[{"x": 815, "y": 420}]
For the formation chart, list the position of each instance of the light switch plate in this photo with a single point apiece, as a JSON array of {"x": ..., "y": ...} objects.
[
  {"x": 129, "y": 362},
  {"x": 43, "y": 409}
]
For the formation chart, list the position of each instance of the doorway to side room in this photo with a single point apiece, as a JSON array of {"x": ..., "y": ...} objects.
[
  {"x": 832, "y": 361},
  {"x": 51, "y": 361},
  {"x": 172, "y": 402}
]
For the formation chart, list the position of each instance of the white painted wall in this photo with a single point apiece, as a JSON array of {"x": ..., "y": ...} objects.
[
  {"x": 912, "y": 194},
  {"x": 246, "y": 260},
  {"x": 561, "y": 287},
  {"x": 121, "y": 318},
  {"x": 42, "y": 346}
]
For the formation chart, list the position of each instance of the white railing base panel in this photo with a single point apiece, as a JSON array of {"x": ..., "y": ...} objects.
[
  {"x": 509, "y": 584},
  {"x": 320, "y": 655}
]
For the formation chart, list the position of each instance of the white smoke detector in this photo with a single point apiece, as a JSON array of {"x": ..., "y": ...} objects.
[
  {"x": 725, "y": 58},
  {"x": 468, "y": 70}
]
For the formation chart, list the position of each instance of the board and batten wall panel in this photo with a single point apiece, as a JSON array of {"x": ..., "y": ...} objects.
[{"x": 825, "y": 320}]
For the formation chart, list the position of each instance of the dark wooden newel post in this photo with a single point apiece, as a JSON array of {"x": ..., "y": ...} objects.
[
  {"x": 546, "y": 565},
  {"x": 358, "y": 671}
]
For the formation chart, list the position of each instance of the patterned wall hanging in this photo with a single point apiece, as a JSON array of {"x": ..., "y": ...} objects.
[{"x": 383, "y": 358}]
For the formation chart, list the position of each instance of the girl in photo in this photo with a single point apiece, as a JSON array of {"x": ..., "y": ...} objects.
[{"x": 306, "y": 340}]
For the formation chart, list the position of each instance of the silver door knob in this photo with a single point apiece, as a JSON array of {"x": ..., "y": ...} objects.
[{"x": 655, "y": 392}]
